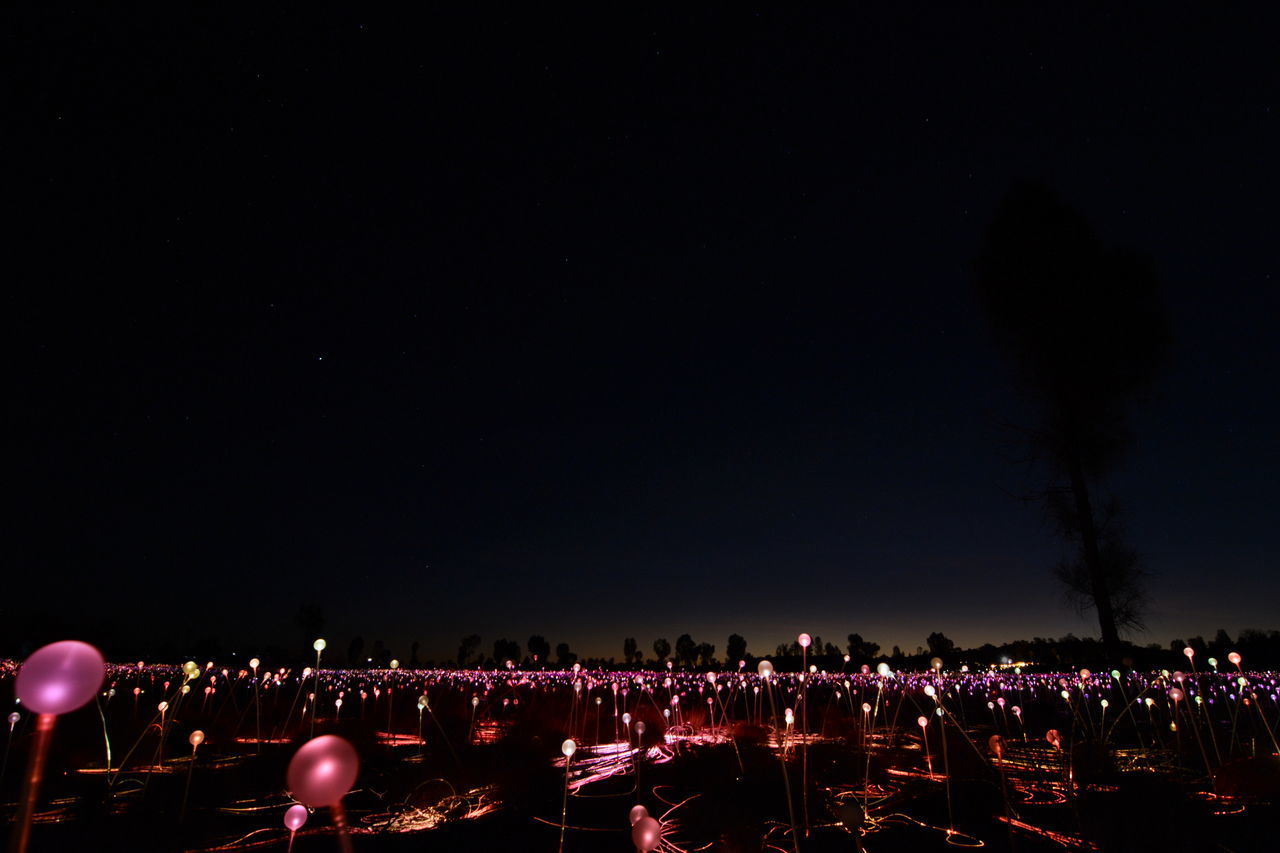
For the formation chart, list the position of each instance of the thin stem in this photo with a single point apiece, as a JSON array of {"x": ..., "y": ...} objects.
[{"x": 31, "y": 790}]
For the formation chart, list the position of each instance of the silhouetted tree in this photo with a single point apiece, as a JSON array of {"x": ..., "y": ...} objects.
[
  {"x": 735, "y": 650},
  {"x": 1084, "y": 324},
  {"x": 355, "y": 651},
  {"x": 861, "y": 651},
  {"x": 629, "y": 649},
  {"x": 564, "y": 657},
  {"x": 470, "y": 644},
  {"x": 686, "y": 650},
  {"x": 413, "y": 654},
  {"x": 505, "y": 650},
  {"x": 661, "y": 648},
  {"x": 706, "y": 653},
  {"x": 381, "y": 655},
  {"x": 831, "y": 650},
  {"x": 940, "y": 644},
  {"x": 310, "y": 622},
  {"x": 539, "y": 648}
]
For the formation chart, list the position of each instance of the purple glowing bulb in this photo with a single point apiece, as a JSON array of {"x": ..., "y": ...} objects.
[
  {"x": 295, "y": 817},
  {"x": 60, "y": 677},
  {"x": 323, "y": 771}
]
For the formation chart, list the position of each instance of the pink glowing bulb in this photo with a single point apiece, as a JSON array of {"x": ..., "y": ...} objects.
[
  {"x": 1235, "y": 658},
  {"x": 765, "y": 669},
  {"x": 866, "y": 707},
  {"x": 646, "y": 834},
  {"x": 323, "y": 771},
  {"x": 922, "y": 721},
  {"x": 1054, "y": 737},
  {"x": 1189, "y": 652},
  {"x": 638, "y": 812},
  {"x": 1176, "y": 695},
  {"x": 60, "y": 677},
  {"x": 804, "y": 640},
  {"x": 295, "y": 817},
  {"x": 195, "y": 739},
  {"x": 996, "y": 744}
]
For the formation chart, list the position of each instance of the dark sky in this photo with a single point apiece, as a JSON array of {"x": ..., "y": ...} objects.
[{"x": 609, "y": 326}]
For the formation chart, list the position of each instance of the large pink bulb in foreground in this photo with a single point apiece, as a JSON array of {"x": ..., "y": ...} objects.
[
  {"x": 60, "y": 677},
  {"x": 323, "y": 771},
  {"x": 646, "y": 834},
  {"x": 295, "y": 818}
]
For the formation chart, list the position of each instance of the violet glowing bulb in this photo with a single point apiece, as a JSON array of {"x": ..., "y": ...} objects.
[
  {"x": 295, "y": 817},
  {"x": 637, "y": 812},
  {"x": 646, "y": 834},
  {"x": 804, "y": 640},
  {"x": 323, "y": 771},
  {"x": 60, "y": 677}
]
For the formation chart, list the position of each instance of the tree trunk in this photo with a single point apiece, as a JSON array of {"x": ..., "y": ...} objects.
[{"x": 1093, "y": 556}]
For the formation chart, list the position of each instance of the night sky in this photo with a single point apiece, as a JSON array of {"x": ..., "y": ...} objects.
[{"x": 609, "y": 326}]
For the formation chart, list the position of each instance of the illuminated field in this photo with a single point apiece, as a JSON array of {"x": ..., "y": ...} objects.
[{"x": 901, "y": 760}]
